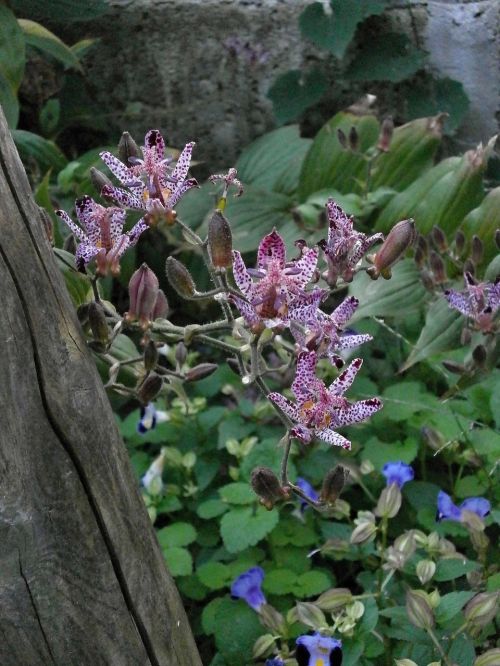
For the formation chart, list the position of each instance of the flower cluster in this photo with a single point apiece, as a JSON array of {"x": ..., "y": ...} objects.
[{"x": 447, "y": 510}]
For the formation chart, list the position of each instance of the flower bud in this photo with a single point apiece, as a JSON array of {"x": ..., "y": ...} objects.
[
  {"x": 490, "y": 658},
  {"x": 150, "y": 388},
  {"x": 353, "y": 139},
  {"x": 427, "y": 280},
  {"x": 99, "y": 179},
  {"x": 220, "y": 241},
  {"x": 482, "y": 608},
  {"x": 389, "y": 501},
  {"x": 150, "y": 356},
  {"x": 200, "y": 371},
  {"x": 497, "y": 238},
  {"x": 263, "y": 645},
  {"x": 454, "y": 367},
  {"x": 425, "y": 570},
  {"x": 333, "y": 484},
  {"x": 266, "y": 485},
  {"x": 423, "y": 245},
  {"x": 160, "y": 310},
  {"x": 432, "y": 438},
  {"x": 477, "y": 249},
  {"x": 400, "y": 237},
  {"x": 419, "y": 610},
  {"x": 341, "y": 136},
  {"x": 82, "y": 313},
  {"x": 469, "y": 267},
  {"x": 419, "y": 257},
  {"x": 98, "y": 324},
  {"x": 333, "y": 599},
  {"x": 437, "y": 267},
  {"x": 234, "y": 365},
  {"x": 465, "y": 336},
  {"x": 385, "y": 136},
  {"x": 181, "y": 353},
  {"x": 459, "y": 242},
  {"x": 439, "y": 238},
  {"x": 405, "y": 662},
  {"x": 272, "y": 619},
  {"x": 127, "y": 148},
  {"x": 365, "y": 527},
  {"x": 310, "y": 615},
  {"x": 143, "y": 291},
  {"x": 479, "y": 355},
  {"x": 180, "y": 278}
]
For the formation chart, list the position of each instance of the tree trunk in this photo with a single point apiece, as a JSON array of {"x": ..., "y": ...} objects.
[{"x": 82, "y": 578}]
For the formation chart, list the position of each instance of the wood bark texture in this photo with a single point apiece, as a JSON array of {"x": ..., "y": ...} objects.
[{"x": 82, "y": 578}]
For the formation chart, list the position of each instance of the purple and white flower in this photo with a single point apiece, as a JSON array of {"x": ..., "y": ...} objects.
[
  {"x": 318, "y": 650},
  {"x": 152, "y": 480},
  {"x": 228, "y": 179},
  {"x": 447, "y": 510},
  {"x": 344, "y": 247},
  {"x": 101, "y": 234},
  {"x": 150, "y": 417},
  {"x": 479, "y": 302},
  {"x": 398, "y": 472},
  {"x": 319, "y": 410},
  {"x": 277, "y": 296},
  {"x": 248, "y": 587},
  {"x": 151, "y": 184}
]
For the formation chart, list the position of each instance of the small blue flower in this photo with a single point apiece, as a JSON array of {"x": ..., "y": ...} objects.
[
  {"x": 447, "y": 510},
  {"x": 275, "y": 661},
  {"x": 318, "y": 650},
  {"x": 150, "y": 417},
  {"x": 248, "y": 587},
  {"x": 306, "y": 487},
  {"x": 398, "y": 472}
]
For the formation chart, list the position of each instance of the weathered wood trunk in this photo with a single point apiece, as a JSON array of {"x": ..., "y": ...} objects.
[{"x": 82, "y": 578}]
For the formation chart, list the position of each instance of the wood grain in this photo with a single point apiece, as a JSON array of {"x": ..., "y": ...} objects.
[{"x": 82, "y": 578}]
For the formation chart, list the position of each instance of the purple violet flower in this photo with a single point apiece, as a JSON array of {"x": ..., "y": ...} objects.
[
  {"x": 275, "y": 661},
  {"x": 306, "y": 487},
  {"x": 447, "y": 510},
  {"x": 319, "y": 410},
  {"x": 398, "y": 472},
  {"x": 479, "y": 302},
  {"x": 277, "y": 297},
  {"x": 248, "y": 587},
  {"x": 101, "y": 234},
  {"x": 318, "y": 650},
  {"x": 151, "y": 183},
  {"x": 344, "y": 247}
]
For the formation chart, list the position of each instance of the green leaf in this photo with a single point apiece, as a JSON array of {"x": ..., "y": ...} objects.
[
  {"x": 12, "y": 49},
  {"x": 265, "y": 453},
  {"x": 441, "y": 333},
  {"x": 241, "y": 528},
  {"x": 432, "y": 96},
  {"x": 44, "y": 40},
  {"x": 178, "y": 534},
  {"x": 34, "y": 147},
  {"x": 294, "y": 92},
  {"x": 401, "y": 400},
  {"x": 335, "y": 31},
  {"x": 279, "y": 581},
  {"x": 273, "y": 161},
  {"x": 451, "y": 604},
  {"x": 386, "y": 57},
  {"x": 380, "y": 453},
  {"x": 214, "y": 575},
  {"x": 236, "y": 628},
  {"x": 179, "y": 561},
  {"x": 49, "y": 116},
  {"x": 290, "y": 531},
  {"x": 62, "y": 11},
  {"x": 208, "y": 615},
  {"x": 450, "y": 569},
  {"x": 9, "y": 102},
  {"x": 211, "y": 509},
  {"x": 470, "y": 486},
  {"x": 421, "y": 494},
  {"x": 396, "y": 297},
  {"x": 78, "y": 285},
  {"x": 237, "y": 493},
  {"x": 462, "y": 651},
  {"x": 311, "y": 583}
]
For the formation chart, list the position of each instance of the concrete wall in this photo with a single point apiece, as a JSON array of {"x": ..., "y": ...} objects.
[{"x": 176, "y": 65}]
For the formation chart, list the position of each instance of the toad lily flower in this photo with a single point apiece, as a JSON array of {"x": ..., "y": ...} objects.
[
  {"x": 344, "y": 247},
  {"x": 398, "y": 473},
  {"x": 318, "y": 650},
  {"x": 319, "y": 410},
  {"x": 151, "y": 183},
  {"x": 277, "y": 297},
  {"x": 447, "y": 510},
  {"x": 101, "y": 234},
  {"x": 248, "y": 587},
  {"x": 480, "y": 302},
  {"x": 228, "y": 179}
]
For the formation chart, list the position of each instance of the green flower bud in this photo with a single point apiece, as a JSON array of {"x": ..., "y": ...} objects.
[
  {"x": 437, "y": 267},
  {"x": 434, "y": 598},
  {"x": 98, "y": 324},
  {"x": 356, "y": 610},
  {"x": 405, "y": 662},
  {"x": 477, "y": 249},
  {"x": 419, "y": 609},
  {"x": 459, "y": 242},
  {"x": 482, "y": 608},
  {"x": 363, "y": 532},
  {"x": 425, "y": 570},
  {"x": 439, "y": 238},
  {"x": 180, "y": 278},
  {"x": 490, "y": 658},
  {"x": 272, "y": 619},
  {"x": 353, "y": 139},
  {"x": 341, "y": 136},
  {"x": 310, "y": 615},
  {"x": 331, "y": 600},
  {"x": 262, "y": 646},
  {"x": 389, "y": 501},
  {"x": 220, "y": 241}
]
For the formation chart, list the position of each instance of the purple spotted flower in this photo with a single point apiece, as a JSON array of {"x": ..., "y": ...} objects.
[
  {"x": 398, "y": 472},
  {"x": 228, "y": 179},
  {"x": 326, "y": 334},
  {"x": 344, "y": 247},
  {"x": 248, "y": 587},
  {"x": 447, "y": 510},
  {"x": 277, "y": 295},
  {"x": 101, "y": 234},
  {"x": 479, "y": 302},
  {"x": 151, "y": 183},
  {"x": 319, "y": 410},
  {"x": 306, "y": 487},
  {"x": 318, "y": 650}
]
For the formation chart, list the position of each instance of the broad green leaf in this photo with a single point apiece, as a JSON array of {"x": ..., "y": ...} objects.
[
  {"x": 49, "y": 116},
  {"x": 81, "y": 47},
  {"x": 9, "y": 102},
  {"x": 334, "y": 31},
  {"x": 290, "y": 531},
  {"x": 78, "y": 285},
  {"x": 12, "y": 49},
  {"x": 431, "y": 96},
  {"x": 462, "y": 651},
  {"x": 450, "y": 569},
  {"x": 311, "y": 583},
  {"x": 470, "y": 486},
  {"x": 379, "y": 453},
  {"x": 279, "y": 581},
  {"x": 44, "y": 40},
  {"x": 214, "y": 575},
  {"x": 401, "y": 400},
  {"x": 294, "y": 92},
  {"x": 421, "y": 494},
  {"x": 441, "y": 333},
  {"x": 237, "y": 493},
  {"x": 178, "y": 534},
  {"x": 268, "y": 453},
  {"x": 241, "y": 528},
  {"x": 34, "y": 147},
  {"x": 273, "y": 161},
  {"x": 236, "y": 627},
  {"x": 192, "y": 588},
  {"x": 60, "y": 11},
  {"x": 396, "y": 297},
  {"x": 208, "y": 615},
  {"x": 211, "y": 509},
  {"x": 451, "y": 604},
  {"x": 179, "y": 561},
  {"x": 386, "y": 57}
]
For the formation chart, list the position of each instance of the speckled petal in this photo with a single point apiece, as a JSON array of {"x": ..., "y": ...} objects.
[
  {"x": 304, "y": 375},
  {"x": 358, "y": 411},
  {"x": 246, "y": 309},
  {"x": 136, "y": 231},
  {"x": 306, "y": 265},
  {"x": 494, "y": 296},
  {"x": 340, "y": 385},
  {"x": 304, "y": 308},
  {"x": 117, "y": 220},
  {"x": 179, "y": 192},
  {"x": 154, "y": 141},
  {"x": 338, "y": 220},
  {"x": 341, "y": 315},
  {"x": 331, "y": 437},
  {"x": 116, "y": 167},
  {"x": 183, "y": 163},
  {"x": 123, "y": 197},
  {"x": 84, "y": 254},
  {"x": 75, "y": 229},
  {"x": 241, "y": 275},
  {"x": 459, "y": 301},
  {"x": 271, "y": 247},
  {"x": 286, "y": 406},
  {"x": 349, "y": 341}
]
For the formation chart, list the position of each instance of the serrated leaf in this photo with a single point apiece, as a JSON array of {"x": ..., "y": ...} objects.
[
  {"x": 451, "y": 604},
  {"x": 178, "y": 534},
  {"x": 214, "y": 575},
  {"x": 335, "y": 31},
  {"x": 208, "y": 615},
  {"x": 237, "y": 493},
  {"x": 34, "y": 147},
  {"x": 294, "y": 92},
  {"x": 38, "y": 36},
  {"x": 211, "y": 509},
  {"x": 179, "y": 561},
  {"x": 386, "y": 57},
  {"x": 12, "y": 49},
  {"x": 241, "y": 528},
  {"x": 450, "y": 569},
  {"x": 441, "y": 333},
  {"x": 62, "y": 11},
  {"x": 236, "y": 628}
]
